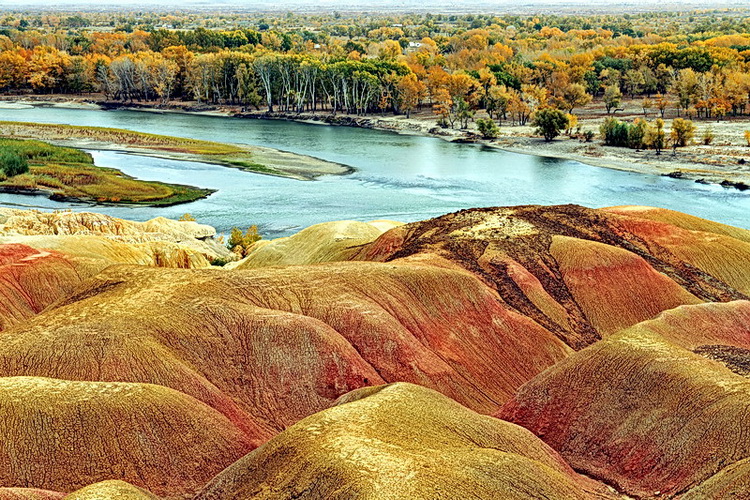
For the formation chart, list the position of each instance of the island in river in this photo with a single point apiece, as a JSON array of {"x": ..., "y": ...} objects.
[{"x": 58, "y": 170}]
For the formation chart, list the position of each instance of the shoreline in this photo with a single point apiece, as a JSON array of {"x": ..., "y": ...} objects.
[
  {"x": 247, "y": 157},
  {"x": 51, "y": 195},
  {"x": 594, "y": 154},
  {"x": 702, "y": 164}
]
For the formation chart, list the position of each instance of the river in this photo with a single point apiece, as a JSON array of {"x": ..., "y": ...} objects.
[{"x": 400, "y": 177}]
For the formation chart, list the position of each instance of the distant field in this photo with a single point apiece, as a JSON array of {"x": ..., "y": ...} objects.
[{"x": 71, "y": 173}]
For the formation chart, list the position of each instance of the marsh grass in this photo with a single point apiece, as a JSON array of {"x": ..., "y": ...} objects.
[
  {"x": 71, "y": 173},
  {"x": 229, "y": 155}
]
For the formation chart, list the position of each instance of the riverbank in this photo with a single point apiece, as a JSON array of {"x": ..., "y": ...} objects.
[
  {"x": 256, "y": 159},
  {"x": 70, "y": 175},
  {"x": 725, "y": 162}
]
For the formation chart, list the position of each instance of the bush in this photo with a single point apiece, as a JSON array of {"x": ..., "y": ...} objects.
[
  {"x": 682, "y": 132},
  {"x": 588, "y": 136},
  {"x": 219, "y": 261},
  {"x": 615, "y": 132},
  {"x": 186, "y": 217},
  {"x": 12, "y": 164},
  {"x": 747, "y": 137},
  {"x": 708, "y": 136},
  {"x": 637, "y": 133},
  {"x": 550, "y": 122},
  {"x": 488, "y": 128},
  {"x": 239, "y": 242}
]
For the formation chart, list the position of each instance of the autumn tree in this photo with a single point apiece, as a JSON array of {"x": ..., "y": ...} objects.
[
  {"x": 240, "y": 242},
  {"x": 574, "y": 96},
  {"x": 572, "y": 123},
  {"x": 687, "y": 88},
  {"x": 655, "y": 137},
  {"x": 661, "y": 103},
  {"x": 497, "y": 99},
  {"x": 442, "y": 105},
  {"x": 410, "y": 93},
  {"x": 682, "y": 132},
  {"x": 13, "y": 68},
  {"x": 265, "y": 68},
  {"x": 634, "y": 81},
  {"x": 612, "y": 97},
  {"x": 247, "y": 88},
  {"x": 646, "y": 105}
]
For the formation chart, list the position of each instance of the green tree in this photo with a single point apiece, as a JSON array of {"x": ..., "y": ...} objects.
[
  {"x": 550, "y": 122},
  {"x": 615, "y": 133},
  {"x": 463, "y": 112},
  {"x": 488, "y": 128}
]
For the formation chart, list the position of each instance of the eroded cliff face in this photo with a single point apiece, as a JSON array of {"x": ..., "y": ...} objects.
[
  {"x": 45, "y": 256},
  {"x": 583, "y": 273},
  {"x": 645, "y": 411},
  {"x": 161, "y": 376},
  {"x": 169, "y": 243},
  {"x": 286, "y": 342},
  {"x": 326, "y": 242},
  {"x": 61, "y": 435}
]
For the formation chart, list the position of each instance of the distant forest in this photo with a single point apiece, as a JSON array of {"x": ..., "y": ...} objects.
[{"x": 696, "y": 62}]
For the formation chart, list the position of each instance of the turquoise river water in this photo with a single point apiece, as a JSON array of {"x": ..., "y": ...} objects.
[{"x": 400, "y": 177}]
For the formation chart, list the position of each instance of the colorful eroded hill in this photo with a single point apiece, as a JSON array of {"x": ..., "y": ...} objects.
[{"x": 613, "y": 343}]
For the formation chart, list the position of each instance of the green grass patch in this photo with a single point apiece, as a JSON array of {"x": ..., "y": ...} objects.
[
  {"x": 71, "y": 173},
  {"x": 253, "y": 167}
]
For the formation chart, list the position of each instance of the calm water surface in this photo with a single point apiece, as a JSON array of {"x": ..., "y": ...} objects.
[{"x": 399, "y": 177}]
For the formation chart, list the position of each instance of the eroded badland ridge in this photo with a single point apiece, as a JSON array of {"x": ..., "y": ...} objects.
[{"x": 509, "y": 352}]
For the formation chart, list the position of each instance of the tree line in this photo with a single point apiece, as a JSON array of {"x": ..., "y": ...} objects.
[{"x": 510, "y": 77}]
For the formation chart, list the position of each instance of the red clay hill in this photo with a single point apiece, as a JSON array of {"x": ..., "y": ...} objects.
[{"x": 618, "y": 338}]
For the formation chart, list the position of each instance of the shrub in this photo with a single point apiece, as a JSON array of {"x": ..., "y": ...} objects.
[
  {"x": 637, "y": 133},
  {"x": 239, "y": 242},
  {"x": 488, "y": 128},
  {"x": 708, "y": 136},
  {"x": 615, "y": 132},
  {"x": 747, "y": 137},
  {"x": 550, "y": 122},
  {"x": 588, "y": 136},
  {"x": 186, "y": 217},
  {"x": 682, "y": 132},
  {"x": 12, "y": 164}
]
